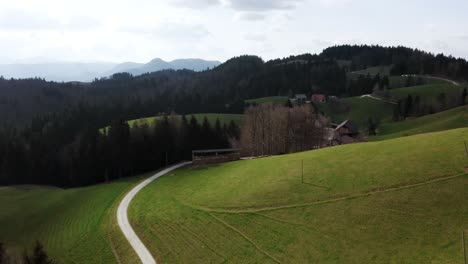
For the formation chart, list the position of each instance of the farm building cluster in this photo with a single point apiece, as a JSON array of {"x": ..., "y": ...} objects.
[
  {"x": 301, "y": 99},
  {"x": 334, "y": 134}
]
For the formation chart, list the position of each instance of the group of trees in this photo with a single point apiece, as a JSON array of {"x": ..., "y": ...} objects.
[
  {"x": 274, "y": 129},
  {"x": 367, "y": 84},
  {"x": 415, "y": 106},
  {"x": 37, "y": 256},
  {"x": 62, "y": 151}
]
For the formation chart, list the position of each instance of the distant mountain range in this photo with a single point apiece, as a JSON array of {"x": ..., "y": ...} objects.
[
  {"x": 85, "y": 72},
  {"x": 159, "y": 64}
]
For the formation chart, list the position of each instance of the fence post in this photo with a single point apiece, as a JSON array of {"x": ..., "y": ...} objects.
[{"x": 466, "y": 148}]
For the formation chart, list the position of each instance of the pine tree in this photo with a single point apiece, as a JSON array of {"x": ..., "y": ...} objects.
[
  {"x": 39, "y": 256},
  {"x": 463, "y": 97},
  {"x": 408, "y": 106}
]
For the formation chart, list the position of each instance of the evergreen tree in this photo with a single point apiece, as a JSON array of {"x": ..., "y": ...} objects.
[
  {"x": 408, "y": 108},
  {"x": 463, "y": 97},
  {"x": 39, "y": 256}
]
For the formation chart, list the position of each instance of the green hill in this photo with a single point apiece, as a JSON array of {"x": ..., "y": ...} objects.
[
  {"x": 75, "y": 225},
  {"x": 394, "y": 201},
  {"x": 450, "y": 119},
  {"x": 361, "y": 109}
]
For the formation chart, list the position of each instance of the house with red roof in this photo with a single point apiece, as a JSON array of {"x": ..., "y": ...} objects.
[{"x": 318, "y": 98}]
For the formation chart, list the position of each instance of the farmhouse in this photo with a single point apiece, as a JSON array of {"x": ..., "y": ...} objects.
[
  {"x": 318, "y": 98},
  {"x": 340, "y": 134},
  {"x": 298, "y": 99}
]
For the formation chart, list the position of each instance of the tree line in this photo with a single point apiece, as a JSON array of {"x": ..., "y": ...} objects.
[
  {"x": 61, "y": 150},
  {"x": 414, "y": 105}
]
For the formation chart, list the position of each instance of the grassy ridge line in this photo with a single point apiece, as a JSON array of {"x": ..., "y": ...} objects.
[{"x": 388, "y": 225}]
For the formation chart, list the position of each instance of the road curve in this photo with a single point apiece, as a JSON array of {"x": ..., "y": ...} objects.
[{"x": 122, "y": 217}]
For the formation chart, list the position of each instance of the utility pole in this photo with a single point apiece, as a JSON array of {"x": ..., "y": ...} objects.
[
  {"x": 466, "y": 148},
  {"x": 302, "y": 169}
]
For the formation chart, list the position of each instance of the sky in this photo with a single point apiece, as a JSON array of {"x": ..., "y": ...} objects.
[{"x": 34, "y": 31}]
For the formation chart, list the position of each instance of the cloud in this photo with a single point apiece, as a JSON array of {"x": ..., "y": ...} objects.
[
  {"x": 332, "y": 3},
  {"x": 15, "y": 19},
  {"x": 249, "y": 16},
  {"x": 21, "y": 20},
  {"x": 256, "y": 37},
  {"x": 262, "y": 5},
  {"x": 195, "y": 3},
  {"x": 171, "y": 31}
]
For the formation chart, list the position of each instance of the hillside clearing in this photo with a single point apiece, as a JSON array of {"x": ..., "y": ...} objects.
[{"x": 362, "y": 203}]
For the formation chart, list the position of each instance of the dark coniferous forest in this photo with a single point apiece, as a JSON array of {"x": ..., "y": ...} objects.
[{"x": 50, "y": 132}]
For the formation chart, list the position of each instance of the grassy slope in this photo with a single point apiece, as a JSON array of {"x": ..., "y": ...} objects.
[
  {"x": 450, "y": 119},
  {"x": 223, "y": 118},
  {"x": 258, "y": 211},
  {"x": 269, "y": 100},
  {"x": 76, "y": 225},
  {"x": 360, "y": 109},
  {"x": 426, "y": 91}
]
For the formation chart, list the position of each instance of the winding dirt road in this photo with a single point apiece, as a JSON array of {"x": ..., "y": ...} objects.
[{"x": 122, "y": 217}]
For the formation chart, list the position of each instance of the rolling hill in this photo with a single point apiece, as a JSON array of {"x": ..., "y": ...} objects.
[
  {"x": 75, "y": 225},
  {"x": 259, "y": 211},
  {"x": 396, "y": 201}
]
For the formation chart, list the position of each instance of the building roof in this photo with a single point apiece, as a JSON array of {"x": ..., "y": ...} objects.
[
  {"x": 349, "y": 125},
  {"x": 320, "y": 97}
]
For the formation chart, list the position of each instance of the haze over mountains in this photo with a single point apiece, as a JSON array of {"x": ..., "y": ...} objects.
[{"x": 85, "y": 72}]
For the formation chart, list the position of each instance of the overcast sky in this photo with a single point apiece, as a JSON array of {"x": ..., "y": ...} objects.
[{"x": 139, "y": 30}]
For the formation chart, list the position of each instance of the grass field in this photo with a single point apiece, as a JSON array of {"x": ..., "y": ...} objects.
[
  {"x": 223, "y": 119},
  {"x": 450, "y": 119},
  {"x": 394, "y": 201},
  {"x": 268, "y": 100},
  {"x": 75, "y": 225},
  {"x": 426, "y": 91}
]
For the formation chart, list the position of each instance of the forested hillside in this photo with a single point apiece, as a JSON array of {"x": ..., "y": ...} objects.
[{"x": 49, "y": 132}]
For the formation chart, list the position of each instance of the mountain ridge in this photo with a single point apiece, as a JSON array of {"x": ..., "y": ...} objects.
[{"x": 88, "y": 71}]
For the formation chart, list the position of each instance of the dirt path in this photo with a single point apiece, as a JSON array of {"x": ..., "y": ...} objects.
[
  {"x": 122, "y": 217},
  {"x": 376, "y": 98},
  {"x": 272, "y": 208}
]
